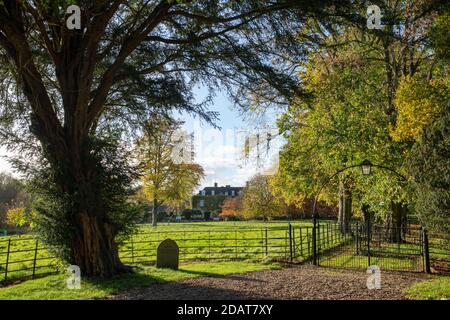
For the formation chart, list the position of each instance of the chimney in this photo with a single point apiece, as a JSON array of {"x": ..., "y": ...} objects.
[{"x": 215, "y": 184}]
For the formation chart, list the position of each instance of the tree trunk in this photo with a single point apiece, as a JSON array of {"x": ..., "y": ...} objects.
[
  {"x": 368, "y": 219},
  {"x": 94, "y": 248},
  {"x": 155, "y": 212},
  {"x": 396, "y": 222},
  {"x": 345, "y": 208},
  {"x": 365, "y": 213},
  {"x": 93, "y": 233}
]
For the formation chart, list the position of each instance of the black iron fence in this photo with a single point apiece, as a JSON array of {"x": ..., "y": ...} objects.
[
  {"x": 200, "y": 245},
  {"x": 26, "y": 257},
  {"x": 403, "y": 249},
  {"x": 364, "y": 248},
  {"x": 409, "y": 249}
]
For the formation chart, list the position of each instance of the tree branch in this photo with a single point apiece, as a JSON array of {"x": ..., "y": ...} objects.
[{"x": 129, "y": 45}]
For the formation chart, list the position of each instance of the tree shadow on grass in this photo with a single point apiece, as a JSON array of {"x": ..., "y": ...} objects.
[
  {"x": 187, "y": 291},
  {"x": 145, "y": 280},
  {"x": 220, "y": 276},
  {"x": 126, "y": 281}
]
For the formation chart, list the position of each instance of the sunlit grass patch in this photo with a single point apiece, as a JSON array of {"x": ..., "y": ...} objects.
[
  {"x": 436, "y": 288},
  {"x": 54, "y": 287}
]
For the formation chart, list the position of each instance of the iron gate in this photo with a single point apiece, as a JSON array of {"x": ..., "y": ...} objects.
[{"x": 365, "y": 245}]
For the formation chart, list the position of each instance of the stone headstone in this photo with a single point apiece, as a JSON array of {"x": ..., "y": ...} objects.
[{"x": 167, "y": 255}]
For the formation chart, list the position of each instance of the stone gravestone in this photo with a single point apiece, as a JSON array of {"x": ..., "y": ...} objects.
[{"x": 167, "y": 255}]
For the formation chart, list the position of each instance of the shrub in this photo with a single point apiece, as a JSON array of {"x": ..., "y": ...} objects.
[{"x": 17, "y": 217}]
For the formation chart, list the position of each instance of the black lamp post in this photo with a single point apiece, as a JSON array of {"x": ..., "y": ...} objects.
[{"x": 366, "y": 168}]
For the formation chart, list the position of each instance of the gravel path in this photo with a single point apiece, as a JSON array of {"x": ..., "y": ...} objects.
[{"x": 298, "y": 282}]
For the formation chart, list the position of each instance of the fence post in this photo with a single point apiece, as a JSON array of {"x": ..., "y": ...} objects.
[
  {"x": 328, "y": 235},
  {"x": 7, "y": 258},
  {"x": 267, "y": 249},
  {"x": 368, "y": 242},
  {"x": 262, "y": 243},
  {"x": 132, "y": 249},
  {"x": 333, "y": 233},
  {"x": 308, "y": 242},
  {"x": 34, "y": 260},
  {"x": 318, "y": 243},
  {"x": 301, "y": 241},
  {"x": 294, "y": 243},
  {"x": 314, "y": 244},
  {"x": 290, "y": 243},
  {"x": 324, "y": 237},
  {"x": 357, "y": 239},
  {"x": 319, "y": 239},
  {"x": 184, "y": 245},
  {"x": 235, "y": 244},
  {"x": 426, "y": 251},
  {"x": 209, "y": 245}
]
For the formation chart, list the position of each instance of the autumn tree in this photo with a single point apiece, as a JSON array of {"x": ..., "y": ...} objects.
[
  {"x": 424, "y": 120},
  {"x": 165, "y": 180},
  {"x": 334, "y": 129},
  {"x": 71, "y": 96},
  {"x": 12, "y": 195},
  {"x": 231, "y": 208},
  {"x": 186, "y": 179},
  {"x": 260, "y": 201},
  {"x": 429, "y": 166},
  {"x": 350, "y": 110}
]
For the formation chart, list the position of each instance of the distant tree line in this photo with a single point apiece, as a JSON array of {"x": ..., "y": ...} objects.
[{"x": 260, "y": 200}]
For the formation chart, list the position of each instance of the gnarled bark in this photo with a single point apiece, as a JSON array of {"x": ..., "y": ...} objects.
[{"x": 94, "y": 248}]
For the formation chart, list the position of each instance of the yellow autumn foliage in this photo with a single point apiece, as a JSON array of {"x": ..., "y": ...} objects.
[
  {"x": 418, "y": 103},
  {"x": 16, "y": 217}
]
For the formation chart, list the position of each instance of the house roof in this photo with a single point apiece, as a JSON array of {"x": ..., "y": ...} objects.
[{"x": 221, "y": 190}]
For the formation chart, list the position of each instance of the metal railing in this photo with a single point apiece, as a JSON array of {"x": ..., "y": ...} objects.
[
  {"x": 25, "y": 257},
  {"x": 406, "y": 249}
]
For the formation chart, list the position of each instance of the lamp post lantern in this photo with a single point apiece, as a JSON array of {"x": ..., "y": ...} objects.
[{"x": 366, "y": 167}]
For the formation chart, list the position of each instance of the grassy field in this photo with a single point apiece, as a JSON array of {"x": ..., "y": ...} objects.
[
  {"x": 54, "y": 287},
  {"x": 198, "y": 241},
  {"x": 213, "y": 240},
  {"x": 225, "y": 241}
]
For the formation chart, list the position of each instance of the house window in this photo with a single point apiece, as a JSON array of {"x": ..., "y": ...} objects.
[
  {"x": 202, "y": 203},
  {"x": 212, "y": 192},
  {"x": 232, "y": 193},
  {"x": 203, "y": 192},
  {"x": 226, "y": 193}
]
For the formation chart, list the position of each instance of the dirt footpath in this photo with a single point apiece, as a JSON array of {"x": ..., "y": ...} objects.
[{"x": 299, "y": 282}]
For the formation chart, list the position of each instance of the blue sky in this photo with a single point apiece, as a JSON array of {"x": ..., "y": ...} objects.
[{"x": 220, "y": 152}]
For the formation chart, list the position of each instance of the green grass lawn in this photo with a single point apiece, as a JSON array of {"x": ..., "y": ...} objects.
[
  {"x": 437, "y": 288},
  {"x": 214, "y": 242},
  {"x": 198, "y": 241},
  {"x": 54, "y": 287}
]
